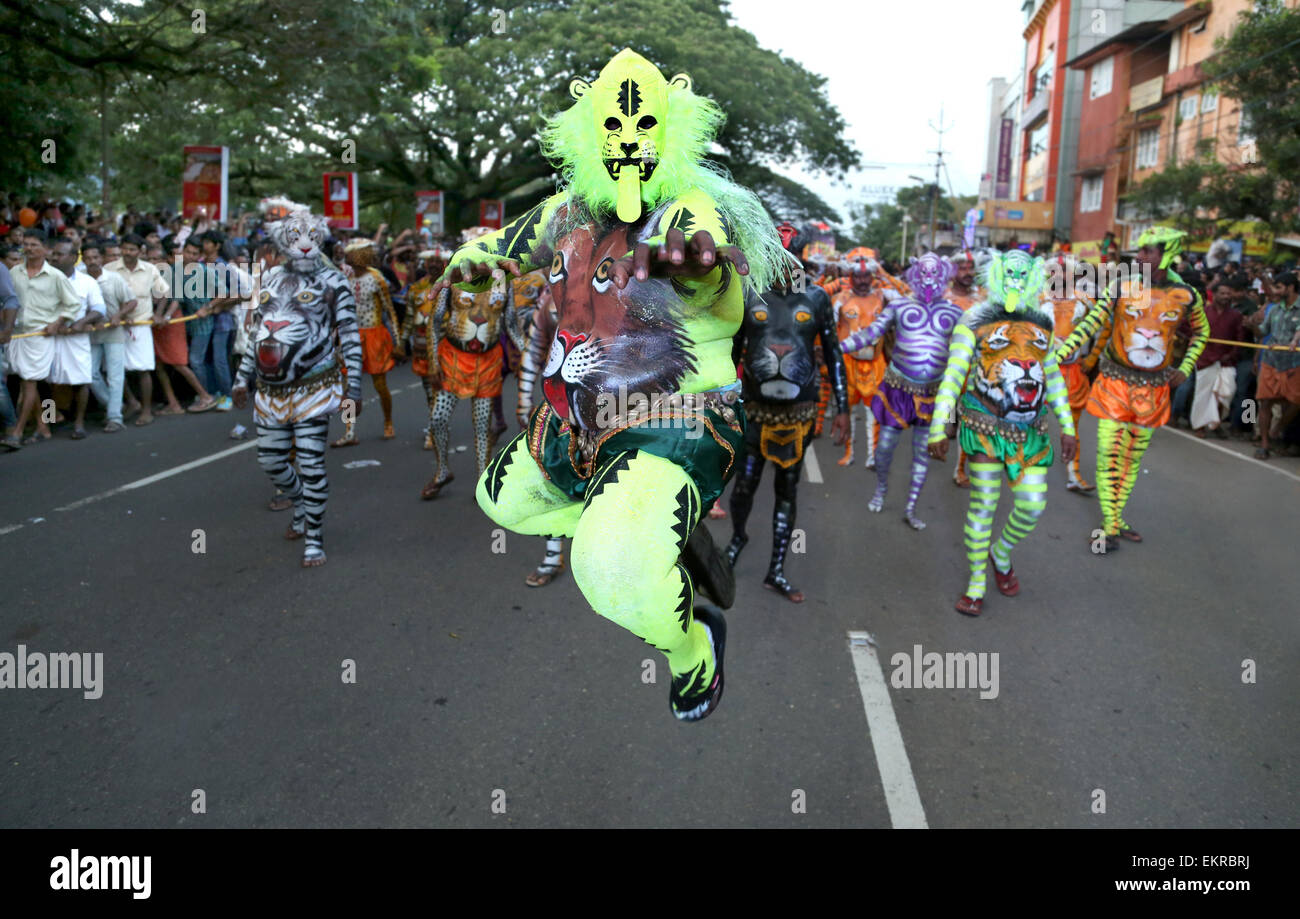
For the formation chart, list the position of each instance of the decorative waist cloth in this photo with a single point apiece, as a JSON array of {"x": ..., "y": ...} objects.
[
  {"x": 915, "y": 387},
  {"x": 1018, "y": 447},
  {"x": 1117, "y": 371},
  {"x": 778, "y": 430},
  {"x": 703, "y": 433}
]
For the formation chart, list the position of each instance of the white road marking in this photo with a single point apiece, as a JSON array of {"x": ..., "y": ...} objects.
[
  {"x": 1223, "y": 449},
  {"x": 810, "y": 466},
  {"x": 901, "y": 796},
  {"x": 175, "y": 470}
]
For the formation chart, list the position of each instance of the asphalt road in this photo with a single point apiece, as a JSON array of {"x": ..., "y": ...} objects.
[{"x": 222, "y": 670}]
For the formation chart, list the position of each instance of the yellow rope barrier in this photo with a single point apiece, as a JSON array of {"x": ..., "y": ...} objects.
[
  {"x": 135, "y": 322},
  {"x": 1247, "y": 344}
]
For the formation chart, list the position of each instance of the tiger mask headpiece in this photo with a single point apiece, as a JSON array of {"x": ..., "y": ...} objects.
[{"x": 300, "y": 238}]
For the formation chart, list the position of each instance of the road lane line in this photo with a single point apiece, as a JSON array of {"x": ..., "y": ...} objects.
[
  {"x": 901, "y": 796},
  {"x": 811, "y": 467},
  {"x": 176, "y": 470},
  {"x": 1240, "y": 456}
]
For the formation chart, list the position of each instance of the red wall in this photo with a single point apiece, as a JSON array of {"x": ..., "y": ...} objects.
[
  {"x": 1055, "y": 32},
  {"x": 1098, "y": 121}
]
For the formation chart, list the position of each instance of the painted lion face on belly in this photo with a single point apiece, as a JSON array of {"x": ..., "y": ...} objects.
[
  {"x": 292, "y": 334},
  {"x": 608, "y": 341},
  {"x": 1144, "y": 327},
  {"x": 1008, "y": 374}
]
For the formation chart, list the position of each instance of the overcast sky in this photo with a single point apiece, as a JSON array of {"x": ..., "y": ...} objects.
[{"x": 889, "y": 66}]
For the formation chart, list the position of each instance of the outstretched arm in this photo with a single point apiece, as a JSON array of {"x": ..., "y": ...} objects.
[
  {"x": 1057, "y": 396},
  {"x": 436, "y": 318},
  {"x": 523, "y": 245},
  {"x": 960, "y": 351},
  {"x": 345, "y": 325},
  {"x": 1200, "y": 335},
  {"x": 1099, "y": 317},
  {"x": 872, "y": 333},
  {"x": 832, "y": 353}
]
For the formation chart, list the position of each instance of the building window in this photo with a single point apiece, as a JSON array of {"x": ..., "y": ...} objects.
[
  {"x": 1200, "y": 26},
  {"x": 1209, "y": 101},
  {"x": 1148, "y": 148},
  {"x": 1244, "y": 134},
  {"x": 1175, "y": 50},
  {"x": 1038, "y": 139},
  {"x": 1102, "y": 74},
  {"x": 1187, "y": 107},
  {"x": 1043, "y": 76},
  {"x": 1090, "y": 197}
]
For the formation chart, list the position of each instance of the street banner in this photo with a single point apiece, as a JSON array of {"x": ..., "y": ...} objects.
[
  {"x": 342, "y": 207},
  {"x": 204, "y": 181},
  {"x": 491, "y": 213},
  {"x": 428, "y": 212}
]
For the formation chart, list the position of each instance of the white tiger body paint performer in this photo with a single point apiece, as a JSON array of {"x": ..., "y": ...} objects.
[{"x": 301, "y": 376}]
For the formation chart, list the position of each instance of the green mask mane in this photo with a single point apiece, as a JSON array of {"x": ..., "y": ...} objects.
[{"x": 633, "y": 141}]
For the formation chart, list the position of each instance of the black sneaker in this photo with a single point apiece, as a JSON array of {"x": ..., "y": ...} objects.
[{"x": 695, "y": 703}]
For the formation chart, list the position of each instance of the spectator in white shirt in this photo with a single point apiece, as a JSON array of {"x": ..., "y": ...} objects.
[
  {"x": 107, "y": 343},
  {"x": 72, "y": 362}
]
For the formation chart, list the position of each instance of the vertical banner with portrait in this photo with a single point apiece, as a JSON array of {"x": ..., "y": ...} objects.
[
  {"x": 428, "y": 212},
  {"x": 204, "y": 181},
  {"x": 491, "y": 213},
  {"x": 341, "y": 204}
]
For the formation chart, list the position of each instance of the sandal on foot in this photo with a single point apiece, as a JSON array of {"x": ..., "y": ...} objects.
[
  {"x": 1131, "y": 534},
  {"x": 280, "y": 503},
  {"x": 968, "y": 606},
  {"x": 1262, "y": 453},
  {"x": 12, "y": 444},
  {"x": 78, "y": 433},
  {"x": 1008, "y": 584},
  {"x": 198, "y": 406},
  {"x": 168, "y": 410},
  {"x": 313, "y": 559},
  {"x": 347, "y": 440},
  {"x": 717, "y": 512},
  {"x": 292, "y": 534},
  {"x": 431, "y": 489},
  {"x": 544, "y": 575},
  {"x": 35, "y": 439},
  {"x": 142, "y": 421}
]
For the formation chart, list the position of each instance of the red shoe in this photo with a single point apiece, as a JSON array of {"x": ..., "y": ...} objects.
[
  {"x": 1008, "y": 584},
  {"x": 970, "y": 607}
]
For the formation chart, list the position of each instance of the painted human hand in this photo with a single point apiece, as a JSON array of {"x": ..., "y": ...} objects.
[{"x": 677, "y": 257}]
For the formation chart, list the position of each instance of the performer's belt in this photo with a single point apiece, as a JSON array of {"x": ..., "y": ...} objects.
[
  {"x": 915, "y": 387},
  {"x": 759, "y": 412},
  {"x": 687, "y": 408},
  {"x": 315, "y": 381},
  {"x": 984, "y": 423},
  {"x": 1117, "y": 371}
]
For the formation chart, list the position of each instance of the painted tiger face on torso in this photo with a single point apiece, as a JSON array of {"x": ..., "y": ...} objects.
[
  {"x": 609, "y": 340},
  {"x": 291, "y": 332},
  {"x": 474, "y": 320},
  {"x": 1145, "y": 320},
  {"x": 1008, "y": 376}
]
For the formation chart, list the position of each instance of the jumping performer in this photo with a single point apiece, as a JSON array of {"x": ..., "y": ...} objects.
[
  {"x": 1001, "y": 367},
  {"x": 1130, "y": 396},
  {"x": 378, "y": 325},
  {"x": 922, "y": 322},
  {"x": 642, "y": 424},
  {"x": 303, "y": 304},
  {"x": 777, "y": 343}
]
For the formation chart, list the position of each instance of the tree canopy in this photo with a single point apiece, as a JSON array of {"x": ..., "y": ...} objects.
[{"x": 442, "y": 95}]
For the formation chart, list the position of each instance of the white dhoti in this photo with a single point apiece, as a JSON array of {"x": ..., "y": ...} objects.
[
  {"x": 71, "y": 363},
  {"x": 138, "y": 351},
  {"x": 30, "y": 358},
  {"x": 1215, "y": 387}
]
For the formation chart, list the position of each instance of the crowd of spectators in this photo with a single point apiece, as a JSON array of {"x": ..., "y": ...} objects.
[{"x": 141, "y": 266}]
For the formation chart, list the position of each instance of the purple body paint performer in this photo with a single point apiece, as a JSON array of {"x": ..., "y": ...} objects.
[{"x": 924, "y": 322}]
